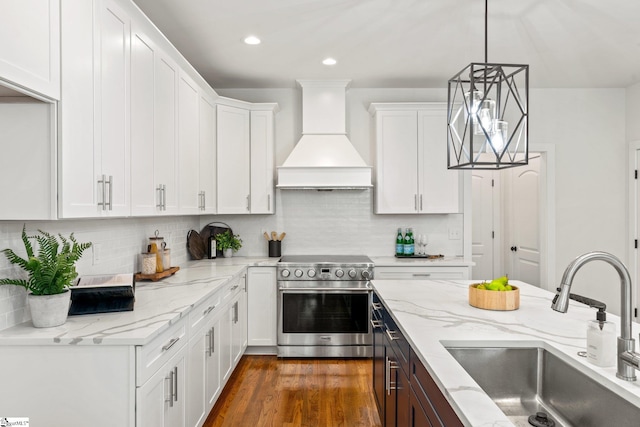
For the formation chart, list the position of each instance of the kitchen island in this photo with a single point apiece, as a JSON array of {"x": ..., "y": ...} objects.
[{"x": 433, "y": 314}]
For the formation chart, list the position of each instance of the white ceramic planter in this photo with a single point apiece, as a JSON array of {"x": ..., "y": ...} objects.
[
  {"x": 227, "y": 253},
  {"x": 49, "y": 310}
]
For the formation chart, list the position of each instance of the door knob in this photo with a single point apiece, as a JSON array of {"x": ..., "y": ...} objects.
[{"x": 514, "y": 248}]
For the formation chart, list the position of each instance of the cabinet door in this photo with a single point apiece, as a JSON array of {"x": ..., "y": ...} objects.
[
  {"x": 189, "y": 145},
  {"x": 112, "y": 154},
  {"x": 438, "y": 186},
  {"x": 213, "y": 383},
  {"x": 225, "y": 341},
  {"x": 262, "y": 306},
  {"x": 239, "y": 328},
  {"x": 379, "y": 360},
  {"x": 233, "y": 141},
  {"x": 262, "y": 162},
  {"x": 165, "y": 140},
  {"x": 160, "y": 402},
  {"x": 396, "y": 162},
  {"x": 77, "y": 177},
  {"x": 143, "y": 53},
  {"x": 196, "y": 371},
  {"x": 417, "y": 415},
  {"x": 207, "y": 158},
  {"x": 30, "y": 48}
]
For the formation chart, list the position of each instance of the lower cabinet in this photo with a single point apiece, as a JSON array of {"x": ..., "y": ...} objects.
[
  {"x": 262, "y": 306},
  {"x": 161, "y": 400},
  {"x": 405, "y": 393}
]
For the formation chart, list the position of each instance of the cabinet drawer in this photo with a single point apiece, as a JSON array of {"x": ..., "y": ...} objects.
[
  {"x": 202, "y": 312},
  {"x": 150, "y": 357},
  {"x": 230, "y": 289},
  {"x": 422, "y": 273}
]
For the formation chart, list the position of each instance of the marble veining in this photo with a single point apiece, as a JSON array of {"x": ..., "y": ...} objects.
[
  {"x": 158, "y": 305},
  {"x": 433, "y": 314}
]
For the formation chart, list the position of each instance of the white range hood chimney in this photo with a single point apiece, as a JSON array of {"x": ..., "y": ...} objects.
[{"x": 324, "y": 157}]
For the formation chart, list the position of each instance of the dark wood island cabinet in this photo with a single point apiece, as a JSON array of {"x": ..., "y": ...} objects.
[{"x": 405, "y": 393}]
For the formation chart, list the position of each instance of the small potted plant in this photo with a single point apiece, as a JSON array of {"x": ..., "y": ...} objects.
[
  {"x": 50, "y": 274},
  {"x": 228, "y": 243}
]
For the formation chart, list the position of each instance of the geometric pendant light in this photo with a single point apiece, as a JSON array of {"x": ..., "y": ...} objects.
[{"x": 487, "y": 115}]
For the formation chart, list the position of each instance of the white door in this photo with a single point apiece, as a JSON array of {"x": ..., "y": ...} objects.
[
  {"x": 189, "y": 146},
  {"x": 522, "y": 206},
  {"x": 485, "y": 225},
  {"x": 233, "y": 146}
]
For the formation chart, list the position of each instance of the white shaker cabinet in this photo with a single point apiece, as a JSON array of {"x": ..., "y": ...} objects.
[
  {"x": 154, "y": 88},
  {"x": 188, "y": 146},
  {"x": 233, "y": 160},
  {"x": 30, "y": 48},
  {"x": 207, "y": 159},
  {"x": 262, "y": 303},
  {"x": 262, "y": 158},
  {"x": 94, "y": 170},
  {"x": 161, "y": 400},
  {"x": 245, "y": 157},
  {"x": 411, "y": 162}
]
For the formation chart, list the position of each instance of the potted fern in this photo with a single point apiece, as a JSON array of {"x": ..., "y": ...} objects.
[
  {"x": 50, "y": 274},
  {"x": 228, "y": 243}
]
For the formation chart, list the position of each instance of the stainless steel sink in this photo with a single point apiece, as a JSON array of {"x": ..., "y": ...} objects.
[{"x": 524, "y": 381}]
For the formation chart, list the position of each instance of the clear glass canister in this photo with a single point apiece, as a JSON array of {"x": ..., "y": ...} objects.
[
  {"x": 166, "y": 259},
  {"x": 147, "y": 263},
  {"x": 157, "y": 246}
]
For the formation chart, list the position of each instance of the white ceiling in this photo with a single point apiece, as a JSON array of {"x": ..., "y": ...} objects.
[{"x": 402, "y": 43}]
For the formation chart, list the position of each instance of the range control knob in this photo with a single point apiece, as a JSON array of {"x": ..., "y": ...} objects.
[
  {"x": 339, "y": 272},
  {"x": 285, "y": 273},
  {"x": 311, "y": 273},
  {"x": 366, "y": 274},
  {"x": 352, "y": 273},
  {"x": 297, "y": 273}
]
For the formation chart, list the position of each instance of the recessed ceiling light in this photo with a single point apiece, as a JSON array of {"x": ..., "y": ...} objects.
[
  {"x": 252, "y": 40},
  {"x": 329, "y": 61}
]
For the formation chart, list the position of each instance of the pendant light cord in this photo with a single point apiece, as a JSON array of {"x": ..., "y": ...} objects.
[{"x": 486, "y": 19}]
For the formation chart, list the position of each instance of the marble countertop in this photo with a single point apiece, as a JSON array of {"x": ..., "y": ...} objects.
[
  {"x": 158, "y": 305},
  {"x": 447, "y": 261},
  {"x": 434, "y": 314}
]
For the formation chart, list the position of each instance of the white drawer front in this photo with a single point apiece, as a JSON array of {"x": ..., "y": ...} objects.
[
  {"x": 150, "y": 357},
  {"x": 202, "y": 312},
  {"x": 422, "y": 273}
]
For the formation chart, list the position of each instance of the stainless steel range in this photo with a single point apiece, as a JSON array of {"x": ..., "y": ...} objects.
[{"x": 324, "y": 306}]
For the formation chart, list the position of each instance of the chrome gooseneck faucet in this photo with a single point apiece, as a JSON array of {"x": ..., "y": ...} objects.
[{"x": 628, "y": 359}]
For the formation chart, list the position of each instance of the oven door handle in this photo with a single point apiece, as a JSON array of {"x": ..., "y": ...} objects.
[{"x": 316, "y": 290}]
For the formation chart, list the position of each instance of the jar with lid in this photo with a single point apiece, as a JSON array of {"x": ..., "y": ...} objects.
[
  {"x": 148, "y": 263},
  {"x": 157, "y": 246}
]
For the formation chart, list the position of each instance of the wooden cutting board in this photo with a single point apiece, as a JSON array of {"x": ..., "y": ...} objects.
[{"x": 196, "y": 245}]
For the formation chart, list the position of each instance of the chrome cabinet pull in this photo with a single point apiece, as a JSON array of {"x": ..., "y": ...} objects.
[
  {"x": 248, "y": 203},
  {"x": 376, "y": 306},
  {"x": 415, "y": 202},
  {"x": 390, "y": 335},
  {"x": 204, "y": 200},
  {"x": 159, "y": 195},
  {"x": 170, "y": 344},
  {"x": 421, "y": 274},
  {"x": 376, "y": 323},
  {"x": 208, "y": 310},
  {"x": 110, "y": 184},
  {"x": 235, "y": 312},
  {"x": 103, "y": 203},
  {"x": 212, "y": 341},
  {"x": 175, "y": 383},
  {"x": 421, "y": 202},
  {"x": 393, "y": 385},
  {"x": 269, "y": 202},
  {"x": 170, "y": 398},
  {"x": 233, "y": 288},
  {"x": 387, "y": 377},
  {"x": 164, "y": 197}
]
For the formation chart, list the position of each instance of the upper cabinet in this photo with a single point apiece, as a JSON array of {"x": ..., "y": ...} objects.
[
  {"x": 94, "y": 171},
  {"x": 30, "y": 48},
  {"x": 189, "y": 146},
  {"x": 207, "y": 157},
  {"x": 411, "y": 160},
  {"x": 245, "y": 148}
]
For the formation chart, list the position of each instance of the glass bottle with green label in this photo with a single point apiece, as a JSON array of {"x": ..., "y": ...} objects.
[
  {"x": 399, "y": 243},
  {"x": 409, "y": 243}
]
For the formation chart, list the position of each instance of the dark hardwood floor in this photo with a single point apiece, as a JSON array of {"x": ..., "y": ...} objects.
[{"x": 267, "y": 391}]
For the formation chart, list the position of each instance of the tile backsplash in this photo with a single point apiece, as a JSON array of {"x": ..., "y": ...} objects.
[
  {"x": 316, "y": 222},
  {"x": 117, "y": 243}
]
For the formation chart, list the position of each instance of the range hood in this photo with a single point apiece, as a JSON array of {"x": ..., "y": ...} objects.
[{"x": 324, "y": 158}]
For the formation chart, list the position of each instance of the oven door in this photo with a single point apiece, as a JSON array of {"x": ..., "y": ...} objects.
[{"x": 324, "y": 315}]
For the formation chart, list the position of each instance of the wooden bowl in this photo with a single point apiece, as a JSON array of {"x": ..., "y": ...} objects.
[{"x": 494, "y": 300}]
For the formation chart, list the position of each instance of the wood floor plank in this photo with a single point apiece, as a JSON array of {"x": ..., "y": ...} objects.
[{"x": 265, "y": 391}]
